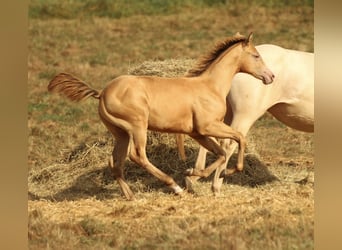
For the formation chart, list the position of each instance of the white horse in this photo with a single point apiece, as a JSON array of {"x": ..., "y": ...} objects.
[{"x": 290, "y": 99}]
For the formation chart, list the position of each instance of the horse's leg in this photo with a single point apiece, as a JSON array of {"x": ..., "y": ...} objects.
[
  {"x": 199, "y": 165},
  {"x": 117, "y": 162},
  {"x": 241, "y": 122},
  {"x": 138, "y": 155},
  {"x": 198, "y": 172},
  {"x": 229, "y": 147},
  {"x": 220, "y": 130},
  {"x": 119, "y": 154},
  {"x": 180, "y": 146},
  {"x": 201, "y": 158}
]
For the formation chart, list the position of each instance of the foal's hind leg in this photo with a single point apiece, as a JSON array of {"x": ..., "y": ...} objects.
[
  {"x": 117, "y": 162},
  {"x": 138, "y": 155},
  {"x": 119, "y": 154}
]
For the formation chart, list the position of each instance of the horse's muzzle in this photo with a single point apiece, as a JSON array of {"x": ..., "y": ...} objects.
[{"x": 267, "y": 77}]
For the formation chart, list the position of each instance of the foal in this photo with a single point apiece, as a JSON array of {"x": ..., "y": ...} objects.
[{"x": 193, "y": 105}]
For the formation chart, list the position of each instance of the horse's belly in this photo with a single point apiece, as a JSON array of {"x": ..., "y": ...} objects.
[
  {"x": 299, "y": 116},
  {"x": 173, "y": 122}
]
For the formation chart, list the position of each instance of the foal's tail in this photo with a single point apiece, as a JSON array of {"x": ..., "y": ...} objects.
[{"x": 72, "y": 88}]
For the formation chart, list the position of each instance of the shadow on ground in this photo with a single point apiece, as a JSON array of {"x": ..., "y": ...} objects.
[{"x": 98, "y": 181}]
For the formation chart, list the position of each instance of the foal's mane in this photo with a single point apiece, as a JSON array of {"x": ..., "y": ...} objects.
[{"x": 205, "y": 61}]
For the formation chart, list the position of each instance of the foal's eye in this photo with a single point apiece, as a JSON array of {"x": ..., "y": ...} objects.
[{"x": 256, "y": 56}]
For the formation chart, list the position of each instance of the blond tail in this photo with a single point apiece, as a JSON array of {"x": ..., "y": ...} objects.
[{"x": 72, "y": 88}]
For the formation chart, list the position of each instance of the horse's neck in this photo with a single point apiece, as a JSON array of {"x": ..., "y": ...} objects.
[{"x": 221, "y": 72}]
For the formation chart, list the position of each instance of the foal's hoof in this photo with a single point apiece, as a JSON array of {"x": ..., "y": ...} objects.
[
  {"x": 177, "y": 190},
  {"x": 189, "y": 172},
  {"x": 180, "y": 194}
]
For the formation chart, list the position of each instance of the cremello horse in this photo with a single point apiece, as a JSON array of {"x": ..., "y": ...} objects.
[
  {"x": 193, "y": 105},
  {"x": 290, "y": 99}
]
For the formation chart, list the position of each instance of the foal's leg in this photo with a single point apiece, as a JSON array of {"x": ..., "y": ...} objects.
[
  {"x": 117, "y": 162},
  {"x": 138, "y": 155},
  {"x": 212, "y": 146},
  {"x": 219, "y": 130},
  {"x": 199, "y": 165},
  {"x": 229, "y": 147},
  {"x": 223, "y": 131},
  {"x": 195, "y": 173},
  {"x": 119, "y": 154},
  {"x": 200, "y": 161},
  {"x": 201, "y": 158},
  {"x": 242, "y": 122}
]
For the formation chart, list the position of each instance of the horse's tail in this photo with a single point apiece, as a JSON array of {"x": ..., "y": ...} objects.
[
  {"x": 72, "y": 88},
  {"x": 180, "y": 146}
]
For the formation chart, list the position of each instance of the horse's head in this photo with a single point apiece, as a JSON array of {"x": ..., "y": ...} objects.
[{"x": 252, "y": 62}]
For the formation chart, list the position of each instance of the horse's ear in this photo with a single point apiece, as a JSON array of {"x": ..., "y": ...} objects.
[{"x": 249, "y": 39}]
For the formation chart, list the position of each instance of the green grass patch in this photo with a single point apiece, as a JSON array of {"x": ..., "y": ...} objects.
[
  {"x": 41, "y": 107},
  {"x": 98, "y": 59},
  {"x": 71, "y": 9},
  {"x": 47, "y": 74},
  {"x": 60, "y": 113}
]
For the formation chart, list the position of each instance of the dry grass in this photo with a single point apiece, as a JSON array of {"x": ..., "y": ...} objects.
[
  {"x": 78, "y": 199},
  {"x": 74, "y": 202}
]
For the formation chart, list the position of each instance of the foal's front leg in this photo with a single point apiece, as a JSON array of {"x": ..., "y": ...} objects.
[
  {"x": 219, "y": 130},
  {"x": 199, "y": 171}
]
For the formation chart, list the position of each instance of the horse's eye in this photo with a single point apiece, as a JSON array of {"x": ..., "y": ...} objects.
[{"x": 256, "y": 56}]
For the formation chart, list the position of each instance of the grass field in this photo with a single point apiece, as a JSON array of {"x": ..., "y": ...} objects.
[{"x": 74, "y": 203}]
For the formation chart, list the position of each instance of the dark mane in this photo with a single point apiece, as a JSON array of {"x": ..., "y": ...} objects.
[{"x": 205, "y": 61}]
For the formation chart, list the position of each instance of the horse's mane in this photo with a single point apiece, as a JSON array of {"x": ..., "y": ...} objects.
[{"x": 205, "y": 61}]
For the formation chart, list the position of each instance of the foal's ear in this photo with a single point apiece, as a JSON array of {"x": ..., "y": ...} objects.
[{"x": 249, "y": 39}]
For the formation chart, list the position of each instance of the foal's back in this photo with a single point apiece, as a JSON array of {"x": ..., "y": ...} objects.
[{"x": 164, "y": 104}]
